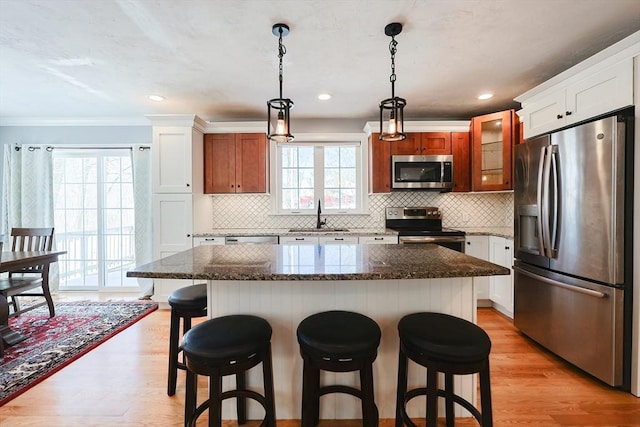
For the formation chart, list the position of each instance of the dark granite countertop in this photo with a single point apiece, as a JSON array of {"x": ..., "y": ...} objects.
[
  {"x": 224, "y": 232},
  {"x": 317, "y": 262}
]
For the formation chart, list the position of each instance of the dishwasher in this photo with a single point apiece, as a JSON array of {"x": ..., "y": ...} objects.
[{"x": 251, "y": 240}]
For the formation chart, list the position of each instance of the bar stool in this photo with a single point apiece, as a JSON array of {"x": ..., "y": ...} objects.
[
  {"x": 228, "y": 345},
  {"x": 186, "y": 303},
  {"x": 447, "y": 344},
  {"x": 338, "y": 341}
]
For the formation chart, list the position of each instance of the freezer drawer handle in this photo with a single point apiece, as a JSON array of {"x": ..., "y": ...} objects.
[{"x": 585, "y": 291}]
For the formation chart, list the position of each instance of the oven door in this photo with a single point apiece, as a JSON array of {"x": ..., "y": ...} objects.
[{"x": 452, "y": 242}]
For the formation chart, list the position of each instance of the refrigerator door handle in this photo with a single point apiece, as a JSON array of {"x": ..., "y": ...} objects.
[
  {"x": 578, "y": 289},
  {"x": 553, "y": 248},
  {"x": 546, "y": 232},
  {"x": 539, "y": 202}
]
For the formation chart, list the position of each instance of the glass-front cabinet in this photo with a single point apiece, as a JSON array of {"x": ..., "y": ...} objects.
[{"x": 493, "y": 136}]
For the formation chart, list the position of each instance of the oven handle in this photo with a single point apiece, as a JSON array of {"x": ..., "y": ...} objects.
[{"x": 430, "y": 239}]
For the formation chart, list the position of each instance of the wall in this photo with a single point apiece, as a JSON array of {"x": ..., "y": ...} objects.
[{"x": 252, "y": 211}]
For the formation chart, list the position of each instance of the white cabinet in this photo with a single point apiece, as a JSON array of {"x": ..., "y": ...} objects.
[
  {"x": 478, "y": 246},
  {"x": 170, "y": 236},
  {"x": 301, "y": 240},
  {"x": 177, "y": 161},
  {"x": 179, "y": 203},
  {"x": 585, "y": 95},
  {"x": 501, "y": 287},
  {"x": 378, "y": 240},
  {"x": 347, "y": 240},
  {"x": 209, "y": 240}
]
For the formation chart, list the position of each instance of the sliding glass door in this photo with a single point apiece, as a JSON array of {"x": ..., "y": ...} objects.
[{"x": 94, "y": 218}]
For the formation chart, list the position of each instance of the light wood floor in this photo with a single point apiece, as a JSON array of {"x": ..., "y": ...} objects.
[{"x": 123, "y": 383}]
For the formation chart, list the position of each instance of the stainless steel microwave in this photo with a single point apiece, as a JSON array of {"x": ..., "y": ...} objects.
[{"x": 422, "y": 172}]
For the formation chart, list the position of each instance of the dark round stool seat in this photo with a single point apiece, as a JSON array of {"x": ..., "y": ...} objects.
[
  {"x": 189, "y": 298},
  {"x": 444, "y": 337},
  {"x": 339, "y": 334},
  {"x": 446, "y": 344},
  {"x": 186, "y": 303},
  {"x": 338, "y": 341},
  {"x": 228, "y": 345},
  {"x": 225, "y": 339}
]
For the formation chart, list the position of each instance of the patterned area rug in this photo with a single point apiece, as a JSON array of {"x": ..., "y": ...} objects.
[{"x": 53, "y": 343}]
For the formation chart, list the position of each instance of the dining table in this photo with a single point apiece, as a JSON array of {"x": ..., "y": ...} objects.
[{"x": 13, "y": 261}]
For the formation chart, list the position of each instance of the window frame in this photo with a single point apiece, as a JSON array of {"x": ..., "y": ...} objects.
[
  {"x": 359, "y": 140},
  {"x": 102, "y": 258}
]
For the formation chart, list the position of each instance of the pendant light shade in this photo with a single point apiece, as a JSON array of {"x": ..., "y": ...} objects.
[
  {"x": 279, "y": 109},
  {"x": 392, "y": 109}
]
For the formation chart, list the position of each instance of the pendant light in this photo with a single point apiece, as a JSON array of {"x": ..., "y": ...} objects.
[
  {"x": 392, "y": 109},
  {"x": 278, "y": 109}
]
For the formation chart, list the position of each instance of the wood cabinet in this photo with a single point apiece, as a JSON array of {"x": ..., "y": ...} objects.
[
  {"x": 461, "y": 150},
  {"x": 379, "y": 165},
  {"x": 501, "y": 287},
  {"x": 478, "y": 246},
  {"x": 492, "y": 139},
  {"x": 235, "y": 163},
  {"x": 586, "y": 95},
  {"x": 423, "y": 144},
  {"x": 417, "y": 143}
]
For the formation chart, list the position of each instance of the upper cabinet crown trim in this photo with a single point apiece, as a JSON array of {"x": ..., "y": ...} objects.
[
  {"x": 624, "y": 49},
  {"x": 425, "y": 126}
]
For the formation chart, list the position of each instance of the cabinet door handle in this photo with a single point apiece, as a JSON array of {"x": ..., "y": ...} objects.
[
  {"x": 568, "y": 113},
  {"x": 299, "y": 238},
  {"x": 378, "y": 238},
  {"x": 559, "y": 116},
  {"x": 188, "y": 235},
  {"x": 469, "y": 243},
  {"x": 231, "y": 185},
  {"x": 188, "y": 185},
  {"x": 506, "y": 248}
]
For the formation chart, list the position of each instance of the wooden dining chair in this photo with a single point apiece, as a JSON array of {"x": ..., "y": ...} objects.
[{"x": 24, "y": 282}]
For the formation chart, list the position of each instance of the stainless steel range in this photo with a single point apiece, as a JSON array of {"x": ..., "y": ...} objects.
[{"x": 423, "y": 225}]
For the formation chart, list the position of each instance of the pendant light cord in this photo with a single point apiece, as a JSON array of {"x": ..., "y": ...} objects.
[
  {"x": 392, "y": 48},
  {"x": 282, "y": 50}
]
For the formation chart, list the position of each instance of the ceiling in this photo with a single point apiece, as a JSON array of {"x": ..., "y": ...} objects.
[{"x": 79, "y": 59}]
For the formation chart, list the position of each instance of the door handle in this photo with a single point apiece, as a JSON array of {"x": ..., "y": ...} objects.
[{"x": 552, "y": 282}]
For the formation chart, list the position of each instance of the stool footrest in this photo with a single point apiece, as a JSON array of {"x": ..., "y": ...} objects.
[
  {"x": 236, "y": 393},
  {"x": 340, "y": 389},
  {"x": 422, "y": 391}
]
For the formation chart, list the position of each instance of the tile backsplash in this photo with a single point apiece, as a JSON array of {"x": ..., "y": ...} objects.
[{"x": 458, "y": 210}]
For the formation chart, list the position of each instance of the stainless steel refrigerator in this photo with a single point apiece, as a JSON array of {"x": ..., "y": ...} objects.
[{"x": 573, "y": 231}]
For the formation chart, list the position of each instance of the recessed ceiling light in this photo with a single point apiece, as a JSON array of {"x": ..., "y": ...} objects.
[
  {"x": 157, "y": 98},
  {"x": 324, "y": 97},
  {"x": 485, "y": 96}
]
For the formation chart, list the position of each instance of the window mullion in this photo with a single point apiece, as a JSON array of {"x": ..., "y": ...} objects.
[
  {"x": 100, "y": 221},
  {"x": 318, "y": 171}
]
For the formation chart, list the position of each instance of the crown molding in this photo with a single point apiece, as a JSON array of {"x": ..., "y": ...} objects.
[
  {"x": 425, "y": 126},
  {"x": 73, "y": 121},
  {"x": 236, "y": 127}
]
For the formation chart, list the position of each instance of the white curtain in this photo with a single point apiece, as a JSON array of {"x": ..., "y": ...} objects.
[
  {"x": 27, "y": 192},
  {"x": 142, "y": 199}
]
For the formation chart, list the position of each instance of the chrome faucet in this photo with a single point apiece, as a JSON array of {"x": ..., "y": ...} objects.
[{"x": 320, "y": 223}]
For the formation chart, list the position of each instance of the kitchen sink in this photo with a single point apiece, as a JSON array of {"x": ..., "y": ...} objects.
[{"x": 316, "y": 230}]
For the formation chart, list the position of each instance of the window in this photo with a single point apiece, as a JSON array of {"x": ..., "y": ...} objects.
[
  {"x": 331, "y": 172},
  {"x": 94, "y": 218}
]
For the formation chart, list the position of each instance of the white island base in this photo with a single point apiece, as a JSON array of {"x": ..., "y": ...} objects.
[{"x": 285, "y": 303}]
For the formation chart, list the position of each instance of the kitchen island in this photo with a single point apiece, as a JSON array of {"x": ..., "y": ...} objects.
[{"x": 286, "y": 283}]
